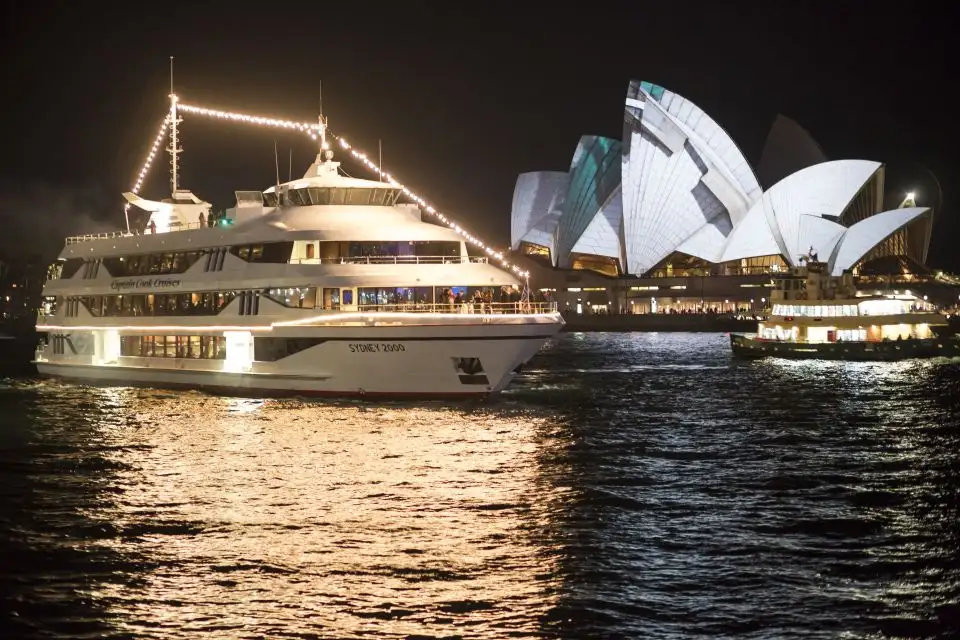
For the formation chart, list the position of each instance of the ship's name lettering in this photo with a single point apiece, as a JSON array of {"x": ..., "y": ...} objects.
[
  {"x": 377, "y": 347},
  {"x": 144, "y": 283}
]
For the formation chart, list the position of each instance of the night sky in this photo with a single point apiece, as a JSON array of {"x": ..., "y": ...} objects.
[{"x": 463, "y": 100}]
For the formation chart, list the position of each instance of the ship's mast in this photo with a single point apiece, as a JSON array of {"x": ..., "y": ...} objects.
[
  {"x": 173, "y": 149},
  {"x": 326, "y": 154}
]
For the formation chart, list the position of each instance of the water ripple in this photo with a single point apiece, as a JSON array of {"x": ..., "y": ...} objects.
[{"x": 630, "y": 485}]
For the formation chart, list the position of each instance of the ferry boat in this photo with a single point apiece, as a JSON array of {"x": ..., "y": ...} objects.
[
  {"x": 818, "y": 316},
  {"x": 327, "y": 285}
]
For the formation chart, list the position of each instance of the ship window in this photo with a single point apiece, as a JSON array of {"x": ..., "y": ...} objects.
[
  {"x": 322, "y": 196},
  {"x": 150, "y": 264},
  {"x": 160, "y": 304},
  {"x": 404, "y": 252},
  {"x": 177, "y": 346},
  {"x": 358, "y": 196},
  {"x": 271, "y": 252},
  {"x": 331, "y": 299},
  {"x": 389, "y": 296},
  {"x": 270, "y": 199},
  {"x": 319, "y": 196},
  {"x": 295, "y": 297},
  {"x": 299, "y": 197}
]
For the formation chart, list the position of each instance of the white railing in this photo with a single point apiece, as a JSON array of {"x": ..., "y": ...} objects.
[
  {"x": 462, "y": 307},
  {"x": 97, "y": 236},
  {"x": 174, "y": 226},
  {"x": 179, "y": 226},
  {"x": 394, "y": 260}
]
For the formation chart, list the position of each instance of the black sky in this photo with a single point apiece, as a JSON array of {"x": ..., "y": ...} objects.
[{"x": 463, "y": 98}]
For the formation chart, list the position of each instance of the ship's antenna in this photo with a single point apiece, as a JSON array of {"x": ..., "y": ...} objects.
[
  {"x": 276, "y": 163},
  {"x": 323, "y": 135},
  {"x": 290, "y": 167},
  {"x": 174, "y": 121},
  {"x": 380, "y": 169},
  {"x": 325, "y": 153}
]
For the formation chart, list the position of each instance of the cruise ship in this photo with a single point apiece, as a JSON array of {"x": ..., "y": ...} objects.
[{"x": 327, "y": 285}]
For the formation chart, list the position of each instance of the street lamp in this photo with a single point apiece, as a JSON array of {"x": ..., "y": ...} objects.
[{"x": 936, "y": 180}]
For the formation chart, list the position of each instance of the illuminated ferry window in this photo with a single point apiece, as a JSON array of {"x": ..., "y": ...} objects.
[
  {"x": 148, "y": 264},
  {"x": 269, "y": 252},
  {"x": 324, "y": 196},
  {"x": 388, "y": 251},
  {"x": 207, "y": 303},
  {"x": 177, "y": 346},
  {"x": 295, "y": 297}
]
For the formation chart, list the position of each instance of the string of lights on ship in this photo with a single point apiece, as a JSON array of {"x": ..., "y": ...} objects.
[{"x": 311, "y": 130}]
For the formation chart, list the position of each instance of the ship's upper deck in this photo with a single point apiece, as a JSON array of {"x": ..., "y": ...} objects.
[{"x": 323, "y": 205}]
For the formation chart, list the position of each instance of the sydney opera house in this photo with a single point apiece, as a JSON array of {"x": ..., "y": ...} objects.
[{"x": 674, "y": 216}]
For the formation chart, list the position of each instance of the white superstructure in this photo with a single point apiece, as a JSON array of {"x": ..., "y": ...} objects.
[{"x": 325, "y": 285}]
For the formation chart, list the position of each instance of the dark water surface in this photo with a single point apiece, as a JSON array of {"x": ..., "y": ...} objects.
[{"x": 632, "y": 485}]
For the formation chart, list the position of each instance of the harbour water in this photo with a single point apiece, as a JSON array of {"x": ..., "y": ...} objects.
[{"x": 626, "y": 486}]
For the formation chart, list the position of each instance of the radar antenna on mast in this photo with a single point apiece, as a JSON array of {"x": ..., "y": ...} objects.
[{"x": 173, "y": 149}]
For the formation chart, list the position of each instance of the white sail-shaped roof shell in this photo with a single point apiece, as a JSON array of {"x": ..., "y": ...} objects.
[
  {"x": 594, "y": 177},
  {"x": 859, "y": 239},
  {"x": 681, "y": 173},
  {"x": 707, "y": 243},
  {"x": 537, "y": 202},
  {"x": 602, "y": 236},
  {"x": 778, "y": 223},
  {"x": 742, "y": 188},
  {"x": 819, "y": 234}
]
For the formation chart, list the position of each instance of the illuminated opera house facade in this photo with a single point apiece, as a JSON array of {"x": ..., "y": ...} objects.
[{"x": 673, "y": 216}]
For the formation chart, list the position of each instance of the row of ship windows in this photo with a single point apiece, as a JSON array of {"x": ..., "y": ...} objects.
[
  {"x": 210, "y": 303},
  {"x": 176, "y": 261},
  {"x": 208, "y": 347},
  {"x": 815, "y": 311},
  {"x": 308, "y": 196},
  {"x": 198, "y": 347},
  {"x": 268, "y": 253}
]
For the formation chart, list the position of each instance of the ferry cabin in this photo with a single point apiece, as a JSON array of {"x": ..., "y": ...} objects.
[{"x": 812, "y": 307}]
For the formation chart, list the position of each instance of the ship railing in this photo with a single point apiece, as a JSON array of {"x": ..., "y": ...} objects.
[
  {"x": 462, "y": 307},
  {"x": 98, "y": 236},
  {"x": 174, "y": 226},
  {"x": 180, "y": 226},
  {"x": 394, "y": 260}
]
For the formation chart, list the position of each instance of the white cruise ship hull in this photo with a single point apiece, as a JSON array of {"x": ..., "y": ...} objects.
[{"x": 423, "y": 361}]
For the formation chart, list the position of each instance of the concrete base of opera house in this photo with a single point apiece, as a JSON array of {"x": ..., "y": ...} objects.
[
  {"x": 583, "y": 295},
  {"x": 658, "y": 322}
]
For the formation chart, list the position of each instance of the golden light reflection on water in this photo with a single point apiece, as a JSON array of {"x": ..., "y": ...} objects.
[
  {"x": 323, "y": 519},
  {"x": 677, "y": 493}
]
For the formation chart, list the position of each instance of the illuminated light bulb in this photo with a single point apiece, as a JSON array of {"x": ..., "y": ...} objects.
[
  {"x": 310, "y": 129},
  {"x": 248, "y": 119},
  {"x": 148, "y": 161}
]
